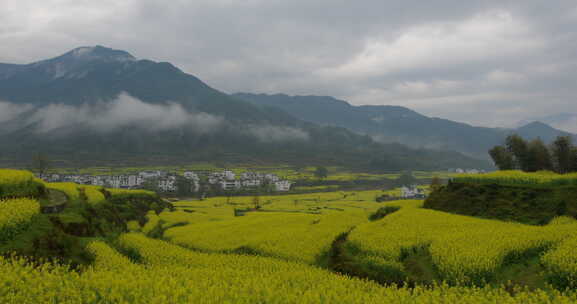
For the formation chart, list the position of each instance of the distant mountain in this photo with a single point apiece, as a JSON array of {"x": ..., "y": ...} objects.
[
  {"x": 91, "y": 74},
  {"x": 96, "y": 104},
  {"x": 563, "y": 121},
  {"x": 541, "y": 130},
  {"x": 399, "y": 124}
]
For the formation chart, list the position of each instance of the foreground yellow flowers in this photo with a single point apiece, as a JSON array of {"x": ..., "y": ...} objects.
[
  {"x": 15, "y": 215},
  {"x": 464, "y": 249},
  {"x": 169, "y": 274},
  {"x": 18, "y": 183}
]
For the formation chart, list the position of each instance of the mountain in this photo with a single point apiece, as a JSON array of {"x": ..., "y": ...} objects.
[
  {"x": 96, "y": 105},
  {"x": 563, "y": 121},
  {"x": 541, "y": 130},
  {"x": 91, "y": 74},
  {"x": 399, "y": 124}
]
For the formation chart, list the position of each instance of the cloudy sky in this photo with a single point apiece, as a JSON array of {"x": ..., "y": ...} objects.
[{"x": 483, "y": 62}]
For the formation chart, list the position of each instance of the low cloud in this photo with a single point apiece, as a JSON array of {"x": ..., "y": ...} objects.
[
  {"x": 124, "y": 111},
  {"x": 268, "y": 133},
  {"x": 8, "y": 110},
  {"x": 569, "y": 125}
]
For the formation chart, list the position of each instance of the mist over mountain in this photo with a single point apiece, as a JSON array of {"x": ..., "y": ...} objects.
[
  {"x": 95, "y": 104},
  {"x": 399, "y": 124}
]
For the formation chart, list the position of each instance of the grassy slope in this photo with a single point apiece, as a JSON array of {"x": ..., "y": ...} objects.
[{"x": 530, "y": 204}]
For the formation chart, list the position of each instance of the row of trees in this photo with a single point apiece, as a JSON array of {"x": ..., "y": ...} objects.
[{"x": 530, "y": 156}]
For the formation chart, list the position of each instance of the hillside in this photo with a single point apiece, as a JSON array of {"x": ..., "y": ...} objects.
[
  {"x": 54, "y": 221},
  {"x": 531, "y": 198},
  {"x": 399, "y": 124},
  {"x": 95, "y": 105},
  {"x": 110, "y": 245}
]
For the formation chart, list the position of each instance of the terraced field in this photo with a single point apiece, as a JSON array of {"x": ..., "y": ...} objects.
[{"x": 316, "y": 248}]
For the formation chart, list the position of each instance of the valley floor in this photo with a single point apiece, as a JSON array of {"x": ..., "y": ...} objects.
[{"x": 332, "y": 247}]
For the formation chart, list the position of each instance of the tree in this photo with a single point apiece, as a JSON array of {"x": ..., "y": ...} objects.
[
  {"x": 184, "y": 187},
  {"x": 256, "y": 201},
  {"x": 436, "y": 183},
  {"x": 321, "y": 172},
  {"x": 539, "y": 156},
  {"x": 502, "y": 158},
  {"x": 574, "y": 159},
  {"x": 406, "y": 179},
  {"x": 562, "y": 150},
  {"x": 151, "y": 184},
  {"x": 517, "y": 146},
  {"x": 40, "y": 163}
]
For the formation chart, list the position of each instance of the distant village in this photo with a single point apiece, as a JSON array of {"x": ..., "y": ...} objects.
[
  {"x": 468, "y": 171},
  {"x": 164, "y": 181}
]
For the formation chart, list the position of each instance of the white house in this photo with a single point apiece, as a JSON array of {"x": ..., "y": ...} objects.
[
  {"x": 271, "y": 177},
  {"x": 412, "y": 192},
  {"x": 251, "y": 182},
  {"x": 230, "y": 185},
  {"x": 151, "y": 174},
  {"x": 167, "y": 184},
  {"x": 282, "y": 185},
  {"x": 134, "y": 181},
  {"x": 191, "y": 175},
  {"x": 229, "y": 175}
]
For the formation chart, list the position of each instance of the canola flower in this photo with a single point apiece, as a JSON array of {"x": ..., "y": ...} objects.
[
  {"x": 561, "y": 262},
  {"x": 93, "y": 195},
  {"x": 106, "y": 258},
  {"x": 18, "y": 183},
  {"x": 171, "y": 274},
  {"x": 515, "y": 177},
  {"x": 293, "y": 236},
  {"x": 15, "y": 215},
  {"x": 133, "y": 226},
  {"x": 70, "y": 189},
  {"x": 116, "y": 192},
  {"x": 153, "y": 221},
  {"x": 464, "y": 249}
]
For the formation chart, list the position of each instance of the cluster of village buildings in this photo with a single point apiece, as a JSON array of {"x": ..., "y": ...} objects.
[
  {"x": 226, "y": 180},
  {"x": 412, "y": 192},
  {"x": 468, "y": 171}
]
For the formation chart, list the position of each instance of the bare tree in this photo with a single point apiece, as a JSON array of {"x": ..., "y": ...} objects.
[
  {"x": 40, "y": 163},
  {"x": 256, "y": 201},
  {"x": 436, "y": 183}
]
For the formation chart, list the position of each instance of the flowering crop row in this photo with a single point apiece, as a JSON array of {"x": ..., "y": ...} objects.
[
  {"x": 171, "y": 274},
  {"x": 15, "y": 215},
  {"x": 17, "y": 183},
  {"x": 463, "y": 249},
  {"x": 514, "y": 177}
]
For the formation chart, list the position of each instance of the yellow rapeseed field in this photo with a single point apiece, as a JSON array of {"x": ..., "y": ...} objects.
[
  {"x": 171, "y": 274},
  {"x": 18, "y": 183},
  {"x": 464, "y": 249},
  {"x": 70, "y": 189},
  {"x": 515, "y": 177},
  {"x": 15, "y": 215}
]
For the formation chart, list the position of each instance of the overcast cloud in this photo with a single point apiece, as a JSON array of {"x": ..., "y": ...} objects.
[{"x": 483, "y": 62}]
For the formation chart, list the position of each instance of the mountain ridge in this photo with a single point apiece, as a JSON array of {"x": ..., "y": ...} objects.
[
  {"x": 399, "y": 124},
  {"x": 76, "y": 97}
]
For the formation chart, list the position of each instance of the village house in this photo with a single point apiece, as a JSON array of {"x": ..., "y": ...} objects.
[
  {"x": 167, "y": 184},
  {"x": 229, "y": 185},
  {"x": 248, "y": 183},
  {"x": 282, "y": 185},
  {"x": 226, "y": 179},
  {"x": 412, "y": 192}
]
